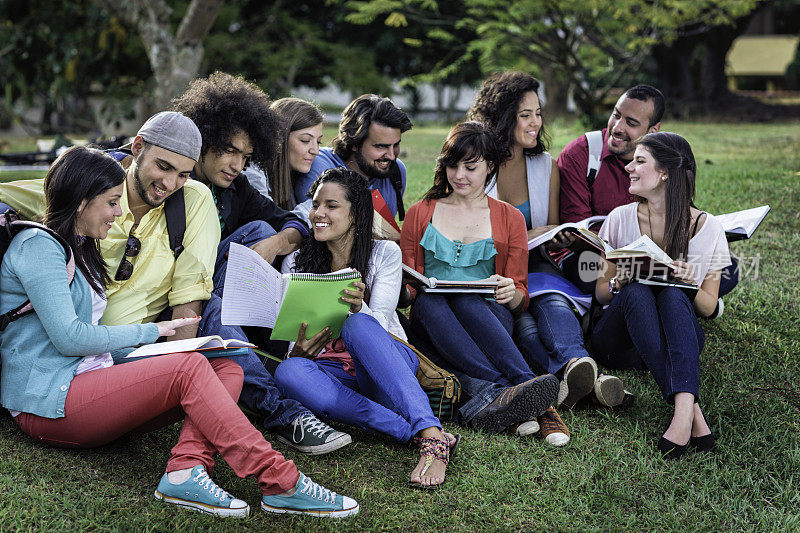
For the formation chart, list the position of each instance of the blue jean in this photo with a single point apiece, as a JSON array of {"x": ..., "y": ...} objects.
[
  {"x": 259, "y": 392},
  {"x": 476, "y": 393},
  {"x": 473, "y": 335},
  {"x": 246, "y": 235},
  {"x": 730, "y": 277},
  {"x": 384, "y": 396},
  {"x": 549, "y": 334},
  {"x": 658, "y": 327}
]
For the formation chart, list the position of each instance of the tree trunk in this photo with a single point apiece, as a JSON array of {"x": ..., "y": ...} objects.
[
  {"x": 674, "y": 68},
  {"x": 713, "y": 86},
  {"x": 174, "y": 59},
  {"x": 555, "y": 91}
]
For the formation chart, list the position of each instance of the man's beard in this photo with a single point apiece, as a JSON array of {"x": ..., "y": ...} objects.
[
  {"x": 140, "y": 190},
  {"x": 371, "y": 171}
]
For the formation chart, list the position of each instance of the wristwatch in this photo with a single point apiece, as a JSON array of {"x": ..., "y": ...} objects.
[{"x": 613, "y": 288}]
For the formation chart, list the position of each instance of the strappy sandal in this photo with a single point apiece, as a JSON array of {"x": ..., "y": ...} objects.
[{"x": 431, "y": 449}]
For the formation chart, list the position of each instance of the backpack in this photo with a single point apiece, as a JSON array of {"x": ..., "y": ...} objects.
[
  {"x": 595, "y": 140},
  {"x": 10, "y": 225}
]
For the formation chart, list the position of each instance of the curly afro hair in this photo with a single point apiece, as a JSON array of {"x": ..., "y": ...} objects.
[
  {"x": 223, "y": 105},
  {"x": 496, "y": 106}
]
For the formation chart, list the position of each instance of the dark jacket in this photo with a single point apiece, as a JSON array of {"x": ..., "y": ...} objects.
[{"x": 242, "y": 203}]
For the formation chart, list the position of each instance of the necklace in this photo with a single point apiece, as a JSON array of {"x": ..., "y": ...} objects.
[{"x": 649, "y": 223}]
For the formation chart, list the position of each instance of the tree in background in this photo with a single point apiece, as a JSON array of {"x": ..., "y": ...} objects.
[
  {"x": 55, "y": 55},
  {"x": 582, "y": 48},
  {"x": 175, "y": 56},
  {"x": 691, "y": 67},
  {"x": 292, "y": 43},
  {"x": 425, "y": 44}
]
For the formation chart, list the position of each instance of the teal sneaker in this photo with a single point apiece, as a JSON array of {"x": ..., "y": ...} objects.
[
  {"x": 311, "y": 498},
  {"x": 199, "y": 493},
  {"x": 308, "y": 434}
]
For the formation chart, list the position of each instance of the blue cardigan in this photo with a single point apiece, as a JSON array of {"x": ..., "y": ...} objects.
[{"x": 41, "y": 351}]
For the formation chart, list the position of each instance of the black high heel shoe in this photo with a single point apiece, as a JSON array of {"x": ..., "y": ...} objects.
[
  {"x": 706, "y": 443},
  {"x": 670, "y": 450}
]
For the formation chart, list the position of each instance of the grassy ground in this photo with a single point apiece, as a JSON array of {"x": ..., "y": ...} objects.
[{"x": 609, "y": 476}]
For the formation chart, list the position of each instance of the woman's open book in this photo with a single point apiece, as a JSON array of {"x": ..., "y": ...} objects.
[
  {"x": 258, "y": 295},
  {"x": 742, "y": 224},
  {"x": 213, "y": 343},
  {"x": 648, "y": 263},
  {"x": 581, "y": 229},
  {"x": 433, "y": 285}
]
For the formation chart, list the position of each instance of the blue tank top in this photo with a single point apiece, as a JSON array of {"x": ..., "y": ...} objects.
[
  {"x": 454, "y": 260},
  {"x": 525, "y": 209}
]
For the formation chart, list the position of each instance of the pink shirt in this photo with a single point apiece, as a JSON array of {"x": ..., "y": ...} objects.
[{"x": 708, "y": 249}]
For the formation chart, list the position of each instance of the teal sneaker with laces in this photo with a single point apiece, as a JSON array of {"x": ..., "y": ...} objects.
[
  {"x": 200, "y": 493},
  {"x": 310, "y": 498}
]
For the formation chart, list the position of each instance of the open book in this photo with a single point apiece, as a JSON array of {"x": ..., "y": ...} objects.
[
  {"x": 258, "y": 295},
  {"x": 199, "y": 344},
  {"x": 581, "y": 229},
  {"x": 741, "y": 225},
  {"x": 433, "y": 285},
  {"x": 647, "y": 262}
]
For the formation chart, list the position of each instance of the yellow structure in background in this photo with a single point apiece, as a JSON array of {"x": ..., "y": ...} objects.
[{"x": 760, "y": 56}]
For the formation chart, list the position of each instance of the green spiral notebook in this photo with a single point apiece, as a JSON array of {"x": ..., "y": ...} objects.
[
  {"x": 313, "y": 299},
  {"x": 258, "y": 295}
]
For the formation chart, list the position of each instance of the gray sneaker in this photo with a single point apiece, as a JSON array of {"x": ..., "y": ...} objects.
[{"x": 309, "y": 434}]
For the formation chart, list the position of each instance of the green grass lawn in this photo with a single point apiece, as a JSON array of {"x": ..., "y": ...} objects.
[{"x": 609, "y": 477}]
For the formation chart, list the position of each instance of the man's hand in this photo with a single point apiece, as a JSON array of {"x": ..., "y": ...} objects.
[
  {"x": 539, "y": 230},
  {"x": 268, "y": 248},
  {"x": 190, "y": 309},
  {"x": 283, "y": 243},
  {"x": 563, "y": 239}
]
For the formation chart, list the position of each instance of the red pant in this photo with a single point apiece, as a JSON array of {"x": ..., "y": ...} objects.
[{"x": 105, "y": 404}]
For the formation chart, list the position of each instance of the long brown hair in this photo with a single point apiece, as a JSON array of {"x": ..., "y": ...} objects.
[
  {"x": 80, "y": 173},
  {"x": 674, "y": 156},
  {"x": 468, "y": 141},
  {"x": 295, "y": 114},
  {"x": 496, "y": 106},
  {"x": 314, "y": 256}
]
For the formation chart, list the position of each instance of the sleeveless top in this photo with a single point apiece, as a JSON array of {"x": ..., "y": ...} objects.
[{"x": 454, "y": 260}]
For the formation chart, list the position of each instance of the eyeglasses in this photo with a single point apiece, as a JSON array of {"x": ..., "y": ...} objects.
[{"x": 125, "y": 269}]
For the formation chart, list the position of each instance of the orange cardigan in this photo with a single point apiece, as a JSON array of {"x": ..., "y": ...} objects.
[{"x": 508, "y": 232}]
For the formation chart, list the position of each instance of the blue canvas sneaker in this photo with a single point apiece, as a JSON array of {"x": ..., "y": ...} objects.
[
  {"x": 201, "y": 494},
  {"x": 311, "y": 498}
]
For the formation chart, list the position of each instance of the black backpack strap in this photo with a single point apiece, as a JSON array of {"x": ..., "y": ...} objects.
[
  {"x": 696, "y": 222},
  {"x": 175, "y": 212},
  {"x": 396, "y": 179}
]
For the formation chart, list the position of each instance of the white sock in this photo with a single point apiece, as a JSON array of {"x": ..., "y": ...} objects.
[{"x": 176, "y": 477}]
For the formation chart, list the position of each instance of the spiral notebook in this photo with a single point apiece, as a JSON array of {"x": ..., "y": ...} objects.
[{"x": 258, "y": 295}]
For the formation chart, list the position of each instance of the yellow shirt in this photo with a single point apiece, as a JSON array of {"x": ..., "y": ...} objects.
[{"x": 158, "y": 279}]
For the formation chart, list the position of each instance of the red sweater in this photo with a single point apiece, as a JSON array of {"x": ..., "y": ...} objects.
[{"x": 508, "y": 232}]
